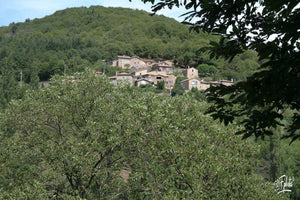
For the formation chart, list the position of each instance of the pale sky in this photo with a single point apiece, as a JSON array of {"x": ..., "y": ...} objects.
[{"x": 20, "y": 10}]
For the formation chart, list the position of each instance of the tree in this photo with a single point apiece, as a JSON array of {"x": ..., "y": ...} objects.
[
  {"x": 205, "y": 68},
  {"x": 269, "y": 27},
  {"x": 34, "y": 78},
  {"x": 199, "y": 95},
  {"x": 14, "y": 28},
  {"x": 9, "y": 87},
  {"x": 160, "y": 85},
  {"x": 88, "y": 139},
  {"x": 178, "y": 89},
  {"x": 60, "y": 124}
]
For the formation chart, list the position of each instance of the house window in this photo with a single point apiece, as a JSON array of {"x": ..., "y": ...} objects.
[
  {"x": 158, "y": 77},
  {"x": 192, "y": 74},
  {"x": 192, "y": 70},
  {"x": 194, "y": 83}
]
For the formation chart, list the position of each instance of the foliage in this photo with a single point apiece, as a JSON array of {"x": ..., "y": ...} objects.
[
  {"x": 179, "y": 79},
  {"x": 106, "y": 70},
  {"x": 177, "y": 90},
  {"x": 73, "y": 140},
  {"x": 205, "y": 68},
  {"x": 242, "y": 25},
  {"x": 9, "y": 86},
  {"x": 160, "y": 85},
  {"x": 289, "y": 156},
  {"x": 279, "y": 158},
  {"x": 199, "y": 95},
  {"x": 241, "y": 67},
  {"x": 151, "y": 88}
]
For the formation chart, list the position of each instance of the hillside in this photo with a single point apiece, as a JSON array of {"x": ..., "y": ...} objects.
[
  {"x": 81, "y": 36},
  {"x": 77, "y": 38}
]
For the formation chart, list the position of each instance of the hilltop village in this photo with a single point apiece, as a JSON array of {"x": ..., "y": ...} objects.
[{"x": 148, "y": 71}]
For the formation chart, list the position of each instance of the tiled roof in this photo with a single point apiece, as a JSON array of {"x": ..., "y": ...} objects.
[
  {"x": 159, "y": 73},
  {"x": 189, "y": 80},
  {"x": 124, "y": 74},
  {"x": 148, "y": 60},
  {"x": 124, "y": 57}
]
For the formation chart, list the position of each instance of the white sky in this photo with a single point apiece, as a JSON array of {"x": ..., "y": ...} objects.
[{"x": 20, "y": 10}]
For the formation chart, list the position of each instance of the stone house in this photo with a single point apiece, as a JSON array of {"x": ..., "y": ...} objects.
[
  {"x": 191, "y": 73},
  {"x": 140, "y": 72},
  {"x": 170, "y": 81},
  {"x": 149, "y": 62},
  {"x": 121, "y": 78},
  {"x": 143, "y": 77},
  {"x": 142, "y": 81},
  {"x": 194, "y": 81},
  {"x": 204, "y": 85},
  {"x": 166, "y": 66},
  {"x": 188, "y": 84},
  {"x": 127, "y": 62},
  {"x": 155, "y": 76},
  {"x": 163, "y": 68}
]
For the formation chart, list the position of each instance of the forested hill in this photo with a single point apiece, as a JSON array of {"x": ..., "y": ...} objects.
[{"x": 79, "y": 37}]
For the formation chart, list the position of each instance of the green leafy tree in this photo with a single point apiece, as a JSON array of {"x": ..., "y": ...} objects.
[
  {"x": 199, "y": 95},
  {"x": 73, "y": 140},
  {"x": 34, "y": 78},
  {"x": 14, "y": 28},
  {"x": 265, "y": 95},
  {"x": 179, "y": 79},
  {"x": 64, "y": 133},
  {"x": 160, "y": 85},
  {"x": 278, "y": 158},
  {"x": 177, "y": 90},
  {"x": 9, "y": 86},
  {"x": 205, "y": 68}
]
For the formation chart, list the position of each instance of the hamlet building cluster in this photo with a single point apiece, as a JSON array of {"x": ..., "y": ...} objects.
[{"x": 147, "y": 71}]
